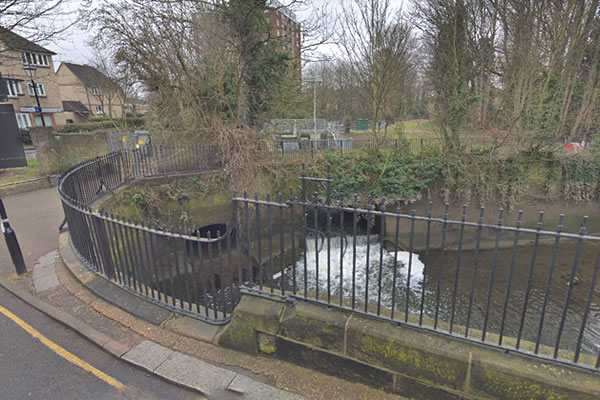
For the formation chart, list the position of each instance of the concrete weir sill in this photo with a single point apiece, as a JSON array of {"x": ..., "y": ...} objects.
[{"x": 399, "y": 359}]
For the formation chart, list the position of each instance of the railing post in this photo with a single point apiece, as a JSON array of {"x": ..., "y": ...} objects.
[
  {"x": 102, "y": 238},
  {"x": 162, "y": 160}
]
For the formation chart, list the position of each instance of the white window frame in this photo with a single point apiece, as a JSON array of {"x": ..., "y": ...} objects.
[
  {"x": 39, "y": 59},
  {"x": 95, "y": 91},
  {"x": 14, "y": 88},
  {"x": 41, "y": 90},
  {"x": 99, "y": 110},
  {"x": 23, "y": 120}
]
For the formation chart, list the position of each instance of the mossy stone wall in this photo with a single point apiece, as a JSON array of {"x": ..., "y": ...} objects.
[
  {"x": 396, "y": 358},
  {"x": 57, "y": 152}
]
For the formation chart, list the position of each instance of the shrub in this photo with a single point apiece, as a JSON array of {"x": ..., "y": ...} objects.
[{"x": 134, "y": 123}]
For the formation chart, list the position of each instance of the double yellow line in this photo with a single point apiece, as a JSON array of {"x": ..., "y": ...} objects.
[{"x": 61, "y": 351}]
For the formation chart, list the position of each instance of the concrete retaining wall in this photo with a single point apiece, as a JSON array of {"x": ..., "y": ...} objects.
[
  {"x": 57, "y": 152},
  {"x": 400, "y": 359}
]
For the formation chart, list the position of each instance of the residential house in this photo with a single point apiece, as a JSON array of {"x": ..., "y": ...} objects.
[
  {"x": 75, "y": 112},
  {"x": 17, "y": 52},
  {"x": 84, "y": 85}
]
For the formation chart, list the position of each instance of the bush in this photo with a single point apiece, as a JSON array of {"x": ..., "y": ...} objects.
[
  {"x": 391, "y": 175},
  {"x": 99, "y": 119},
  {"x": 134, "y": 123}
]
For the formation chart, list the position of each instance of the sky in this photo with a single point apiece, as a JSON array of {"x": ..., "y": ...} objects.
[{"x": 72, "y": 45}]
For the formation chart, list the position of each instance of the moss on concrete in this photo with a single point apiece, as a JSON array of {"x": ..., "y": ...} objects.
[
  {"x": 252, "y": 315},
  {"x": 409, "y": 361},
  {"x": 414, "y": 353},
  {"x": 266, "y": 348},
  {"x": 317, "y": 325},
  {"x": 514, "y": 376}
]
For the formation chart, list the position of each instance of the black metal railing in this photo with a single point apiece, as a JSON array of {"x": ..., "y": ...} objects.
[
  {"x": 185, "y": 271},
  {"x": 516, "y": 286}
]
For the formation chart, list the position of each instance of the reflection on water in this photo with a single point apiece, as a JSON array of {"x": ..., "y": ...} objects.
[{"x": 341, "y": 252}]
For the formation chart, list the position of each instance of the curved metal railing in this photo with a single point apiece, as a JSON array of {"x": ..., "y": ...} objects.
[{"x": 179, "y": 271}]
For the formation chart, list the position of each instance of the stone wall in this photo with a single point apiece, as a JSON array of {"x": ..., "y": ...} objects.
[
  {"x": 409, "y": 361},
  {"x": 57, "y": 152}
]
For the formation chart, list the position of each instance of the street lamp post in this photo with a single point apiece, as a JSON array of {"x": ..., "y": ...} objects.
[
  {"x": 315, "y": 79},
  {"x": 30, "y": 72}
]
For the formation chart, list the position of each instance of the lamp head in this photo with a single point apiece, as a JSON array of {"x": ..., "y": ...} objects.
[{"x": 29, "y": 71}]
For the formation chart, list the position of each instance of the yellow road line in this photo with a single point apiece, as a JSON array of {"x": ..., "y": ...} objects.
[{"x": 62, "y": 352}]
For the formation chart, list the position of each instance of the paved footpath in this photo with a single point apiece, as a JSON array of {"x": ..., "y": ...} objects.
[
  {"x": 113, "y": 342},
  {"x": 35, "y": 217}
]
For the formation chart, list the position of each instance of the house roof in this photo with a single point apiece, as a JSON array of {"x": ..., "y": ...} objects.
[
  {"x": 87, "y": 74},
  {"x": 17, "y": 42},
  {"x": 75, "y": 106}
]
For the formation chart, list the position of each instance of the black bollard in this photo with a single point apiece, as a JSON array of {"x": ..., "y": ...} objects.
[{"x": 11, "y": 242}]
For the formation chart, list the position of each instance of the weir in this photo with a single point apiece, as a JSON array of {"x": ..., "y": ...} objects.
[{"x": 328, "y": 283}]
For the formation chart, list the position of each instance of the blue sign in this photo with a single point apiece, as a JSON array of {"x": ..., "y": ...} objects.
[{"x": 38, "y": 110}]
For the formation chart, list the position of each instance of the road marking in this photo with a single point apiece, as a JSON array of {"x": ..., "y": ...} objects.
[{"x": 61, "y": 351}]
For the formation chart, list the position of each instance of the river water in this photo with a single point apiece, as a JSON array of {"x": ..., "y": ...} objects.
[{"x": 336, "y": 272}]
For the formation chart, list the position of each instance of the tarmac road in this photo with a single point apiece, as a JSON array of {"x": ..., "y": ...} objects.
[{"x": 30, "y": 369}]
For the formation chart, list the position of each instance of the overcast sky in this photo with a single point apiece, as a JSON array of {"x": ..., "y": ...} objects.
[{"x": 72, "y": 45}]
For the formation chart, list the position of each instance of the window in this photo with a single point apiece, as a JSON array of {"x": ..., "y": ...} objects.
[
  {"x": 23, "y": 120},
  {"x": 41, "y": 91},
  {"x": 95, "y": 91},
  {"x": 28, "y": 57},
  {"x": 99, "y": 110},
  {"x": 47, "y": 120},
  {"x": 14, "y": 88}
]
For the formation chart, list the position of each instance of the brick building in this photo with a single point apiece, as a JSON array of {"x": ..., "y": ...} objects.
[
  {"x": 17, "y": 52},
  {"x": 84, "y": 87},
  {"x": 286, "y": 28}
]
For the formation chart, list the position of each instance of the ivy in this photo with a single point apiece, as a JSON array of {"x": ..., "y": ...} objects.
[
  {"x": 386, "y": 175},
  {"x": 462, "y": 175}
]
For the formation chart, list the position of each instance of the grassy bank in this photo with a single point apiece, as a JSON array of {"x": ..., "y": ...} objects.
[{"x": 31, "y": 171}]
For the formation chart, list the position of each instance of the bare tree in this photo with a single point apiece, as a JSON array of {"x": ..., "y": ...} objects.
[
  {"x": 37, "y": 20},
  {"x": 375, "y": 41},
  {"x": 111, "y": 82},
  {"x": 527, "y": 67}
]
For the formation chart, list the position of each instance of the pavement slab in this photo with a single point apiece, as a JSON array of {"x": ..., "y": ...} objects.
[
  {"x": 44, "y": 272},
  {"x": 46, "y": 282},
  {"x": 195, "y": 373},
  {"x": 148, "y": 355}
]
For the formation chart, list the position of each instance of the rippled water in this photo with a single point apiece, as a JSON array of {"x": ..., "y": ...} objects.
[{"x": 340, "y": 280}]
